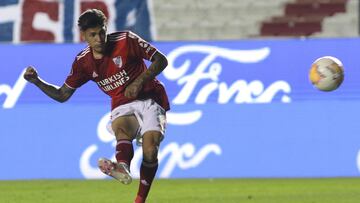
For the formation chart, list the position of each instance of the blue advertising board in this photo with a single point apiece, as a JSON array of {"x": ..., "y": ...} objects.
[{"x": 238, "y": 109}]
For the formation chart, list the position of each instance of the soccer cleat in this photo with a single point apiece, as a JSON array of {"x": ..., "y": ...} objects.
[{"x": 119, "y": 171}]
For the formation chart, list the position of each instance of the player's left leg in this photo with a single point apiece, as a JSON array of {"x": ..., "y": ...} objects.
[{"x": 149, "y": 166}]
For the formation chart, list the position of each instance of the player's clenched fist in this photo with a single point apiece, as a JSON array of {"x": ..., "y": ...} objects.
[{"x": 31, "y": 74}]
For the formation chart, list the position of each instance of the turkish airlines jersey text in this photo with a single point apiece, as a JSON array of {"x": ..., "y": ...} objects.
[{"x": 121, "y": 64}]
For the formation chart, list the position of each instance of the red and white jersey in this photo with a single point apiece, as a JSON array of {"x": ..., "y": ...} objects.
[{"x": 121, "y": 64}]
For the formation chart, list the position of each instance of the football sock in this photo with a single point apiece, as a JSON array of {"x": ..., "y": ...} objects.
[
  {"x": 124, "y": 151},
  {"x": 139, "y": 199},
  {"x": 147, "y": 174}
]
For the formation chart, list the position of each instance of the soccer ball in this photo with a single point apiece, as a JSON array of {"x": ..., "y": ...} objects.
[{"x": 326, "y": 73}]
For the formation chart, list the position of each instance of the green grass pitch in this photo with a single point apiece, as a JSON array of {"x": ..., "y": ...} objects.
[{"x": 322, "y": 190}]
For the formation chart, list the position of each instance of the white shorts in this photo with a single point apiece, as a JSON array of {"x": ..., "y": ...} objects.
[{"x": 150, "y": 116}]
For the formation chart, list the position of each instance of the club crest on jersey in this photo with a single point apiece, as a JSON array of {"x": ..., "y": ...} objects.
[{"x": 118, "y": 61}]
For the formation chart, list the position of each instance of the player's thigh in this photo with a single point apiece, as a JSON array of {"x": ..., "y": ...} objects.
[{"x": 125, "y": 127}]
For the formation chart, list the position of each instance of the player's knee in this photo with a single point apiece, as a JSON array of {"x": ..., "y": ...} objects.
[
  {"x": 151, "y": 143},
  {"x": 122, "y": 134},
  {"x": 150, "y": 153}
]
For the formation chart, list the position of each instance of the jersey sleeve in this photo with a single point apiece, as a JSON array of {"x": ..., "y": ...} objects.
[
  {"x": 139, "y": 47},
  {"x": 77, "y": 77}
]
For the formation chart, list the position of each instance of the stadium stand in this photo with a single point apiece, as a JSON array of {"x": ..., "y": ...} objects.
[
  {"x": 342, "y": 24},
  {"x": 302, "y": 17},
  {"x": 170, "y": 20},
  {"x": 195, "y": 20},
  {"x": 215, "y": 19}
]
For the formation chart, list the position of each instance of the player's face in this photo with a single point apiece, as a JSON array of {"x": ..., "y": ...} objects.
[{"x": 96, "y": 38}]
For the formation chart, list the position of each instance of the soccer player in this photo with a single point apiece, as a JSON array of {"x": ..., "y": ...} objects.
[{"x": 138, "y": 100}]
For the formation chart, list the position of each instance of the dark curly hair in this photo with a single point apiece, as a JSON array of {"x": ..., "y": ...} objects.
[{"x": 91, "y": 18}]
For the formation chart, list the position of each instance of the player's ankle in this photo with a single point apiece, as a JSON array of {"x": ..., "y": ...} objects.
[{"x": 139, "y": 199}]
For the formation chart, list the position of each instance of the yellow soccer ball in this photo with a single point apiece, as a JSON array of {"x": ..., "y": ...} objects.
[{"x": 326, "y": 73}]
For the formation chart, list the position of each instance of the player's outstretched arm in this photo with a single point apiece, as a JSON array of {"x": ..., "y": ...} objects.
[
  {"x": 60, "y": 94},
  {"x": 159, "y": 63}
]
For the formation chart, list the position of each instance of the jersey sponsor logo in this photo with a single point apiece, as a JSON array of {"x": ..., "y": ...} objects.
[
  {"x": 114, "y": 81},
  {"x": 118, "y": 61}
]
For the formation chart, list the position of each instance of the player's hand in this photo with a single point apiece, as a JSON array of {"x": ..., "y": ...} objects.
[
  {"x": 31, "y": 74},
  {"x": 133, "y": 89}
]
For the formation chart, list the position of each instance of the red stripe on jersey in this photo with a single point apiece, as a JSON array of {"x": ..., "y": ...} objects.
[{"x": 83, "y": 53}]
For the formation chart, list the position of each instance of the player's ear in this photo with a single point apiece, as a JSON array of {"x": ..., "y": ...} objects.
[{"x": 82, "y": 35}]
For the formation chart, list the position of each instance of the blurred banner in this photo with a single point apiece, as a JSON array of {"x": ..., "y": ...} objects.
[
  {"x": 239, "y": 109},
  {"x": 56, "y": 20}
]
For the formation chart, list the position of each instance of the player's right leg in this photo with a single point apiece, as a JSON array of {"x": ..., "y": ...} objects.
[{"x": 125, "y": 129}]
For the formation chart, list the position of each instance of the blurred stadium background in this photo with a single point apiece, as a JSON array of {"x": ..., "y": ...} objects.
[{"x": 245, "y": 125}]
